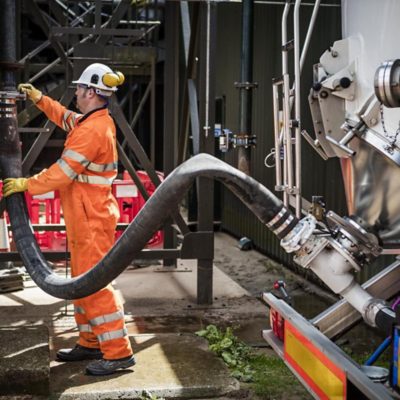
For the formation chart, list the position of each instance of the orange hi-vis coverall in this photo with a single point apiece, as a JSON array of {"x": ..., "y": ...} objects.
[{"x": 83, "y": 176}]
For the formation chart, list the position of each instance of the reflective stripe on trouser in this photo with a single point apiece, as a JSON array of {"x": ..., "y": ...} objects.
[{"x": 86, "y": 337}]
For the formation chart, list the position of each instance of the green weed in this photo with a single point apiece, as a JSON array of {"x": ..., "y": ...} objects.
[{"x": 267, "y": 376}]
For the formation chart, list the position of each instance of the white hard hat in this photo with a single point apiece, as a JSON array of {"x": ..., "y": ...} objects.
[{"x": 102, "y": 78}]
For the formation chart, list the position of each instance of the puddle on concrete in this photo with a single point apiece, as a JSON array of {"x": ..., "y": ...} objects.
[{"x": 167, "y": 324}]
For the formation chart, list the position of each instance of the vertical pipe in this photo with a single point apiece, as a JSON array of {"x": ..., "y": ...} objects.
[
  {"x": 288, "y": 137},
  {"x": 9, "y": 139},
  {"x": 97, "y": 15},
  {"x": 286, "y": 111},
  {"x": 284, "y": 38},
  {"x": 184, "y": 122},
  {"x": 171, "y": 103},
  {"x": 278, "y": 169},
  {"x": 205, "y": 187},
  {"x": 8, "y": 45},
  {"x": 153, "y": 113},
  {"x": 297, "y": 106},
  {"x": 10, "y": 148},
  {"x": 246, "y": 76}
]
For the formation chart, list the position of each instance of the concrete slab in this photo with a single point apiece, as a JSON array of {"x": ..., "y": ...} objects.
[
  {"x": 167, "y": 365},
  {"x": 24, "y": 360}
]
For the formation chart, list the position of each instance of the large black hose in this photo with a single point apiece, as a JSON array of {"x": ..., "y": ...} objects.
[{"x": 157, "y": 209}]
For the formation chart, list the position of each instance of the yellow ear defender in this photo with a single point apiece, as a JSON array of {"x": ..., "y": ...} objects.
[{"x": 113, "y": 78}]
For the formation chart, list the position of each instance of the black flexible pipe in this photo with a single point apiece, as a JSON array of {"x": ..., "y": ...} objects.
[{"x": 157, "y": 209}]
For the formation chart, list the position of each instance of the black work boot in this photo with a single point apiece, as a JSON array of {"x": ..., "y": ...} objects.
[
  {"x": 79, "y": 353},
  {"x": 108, "y": 367}
]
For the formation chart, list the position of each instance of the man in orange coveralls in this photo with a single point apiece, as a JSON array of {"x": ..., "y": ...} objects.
[{"x": 83, "y": 176}]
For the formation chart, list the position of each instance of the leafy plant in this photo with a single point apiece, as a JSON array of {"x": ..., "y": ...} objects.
[{"x": 235, "y": 353}]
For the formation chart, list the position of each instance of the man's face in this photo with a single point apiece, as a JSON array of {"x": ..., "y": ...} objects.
[{"x": 82, "y": 97}]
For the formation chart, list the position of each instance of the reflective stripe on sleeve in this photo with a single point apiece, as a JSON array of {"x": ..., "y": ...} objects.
[
  {"x": 102, "y": 167},
  {"x": 91, "y": 166},
  {"x": 64, "y": 122},
  {"x": 72, "y": 121},
  {"x": 92, "y": 179},
  {"x": 95, "y": 180},
  {"x": 106, "y": 318},
  {"x": 66, "y": 169},
  {"x": 112, "y": 335},
  {"x": 74, "y": 155},
  {"x": 84, "y": 328}
]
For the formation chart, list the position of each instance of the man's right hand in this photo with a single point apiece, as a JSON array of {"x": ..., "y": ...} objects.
[{"x": 33, "y": 94}]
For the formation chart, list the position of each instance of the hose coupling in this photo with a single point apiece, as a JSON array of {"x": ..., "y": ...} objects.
[
  {"x": 299, "y": 235},
  {"x": 375, "y": 307}
]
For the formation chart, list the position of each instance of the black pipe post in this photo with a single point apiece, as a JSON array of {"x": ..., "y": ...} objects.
[
  {"x": 171, "y": 104},
  {"x": 10, "y": 149},
  {"x": 205, "y": 187},
  {"x": 8, "y": 45},
  {"x": 245, "y": 86}
]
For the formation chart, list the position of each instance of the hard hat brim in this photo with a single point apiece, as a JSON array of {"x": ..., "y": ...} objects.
[{"x": 95, "y": 86}]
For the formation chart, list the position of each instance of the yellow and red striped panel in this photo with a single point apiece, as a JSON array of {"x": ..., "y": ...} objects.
[{"x": 324, "y": 378}]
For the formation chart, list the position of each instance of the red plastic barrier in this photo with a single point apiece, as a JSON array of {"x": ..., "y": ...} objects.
[
  {"x": 46, "y": 209},
  {"x": 130, "y": 200}
]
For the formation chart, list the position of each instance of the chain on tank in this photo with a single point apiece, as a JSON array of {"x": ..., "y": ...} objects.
[{"x": 392, "y": 138}]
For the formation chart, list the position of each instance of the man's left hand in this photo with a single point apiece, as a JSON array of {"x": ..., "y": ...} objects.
[{"x": 14, "y": 185}]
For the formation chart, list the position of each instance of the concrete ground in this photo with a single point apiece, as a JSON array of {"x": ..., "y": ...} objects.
[{"x": 161, "y": 314}]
